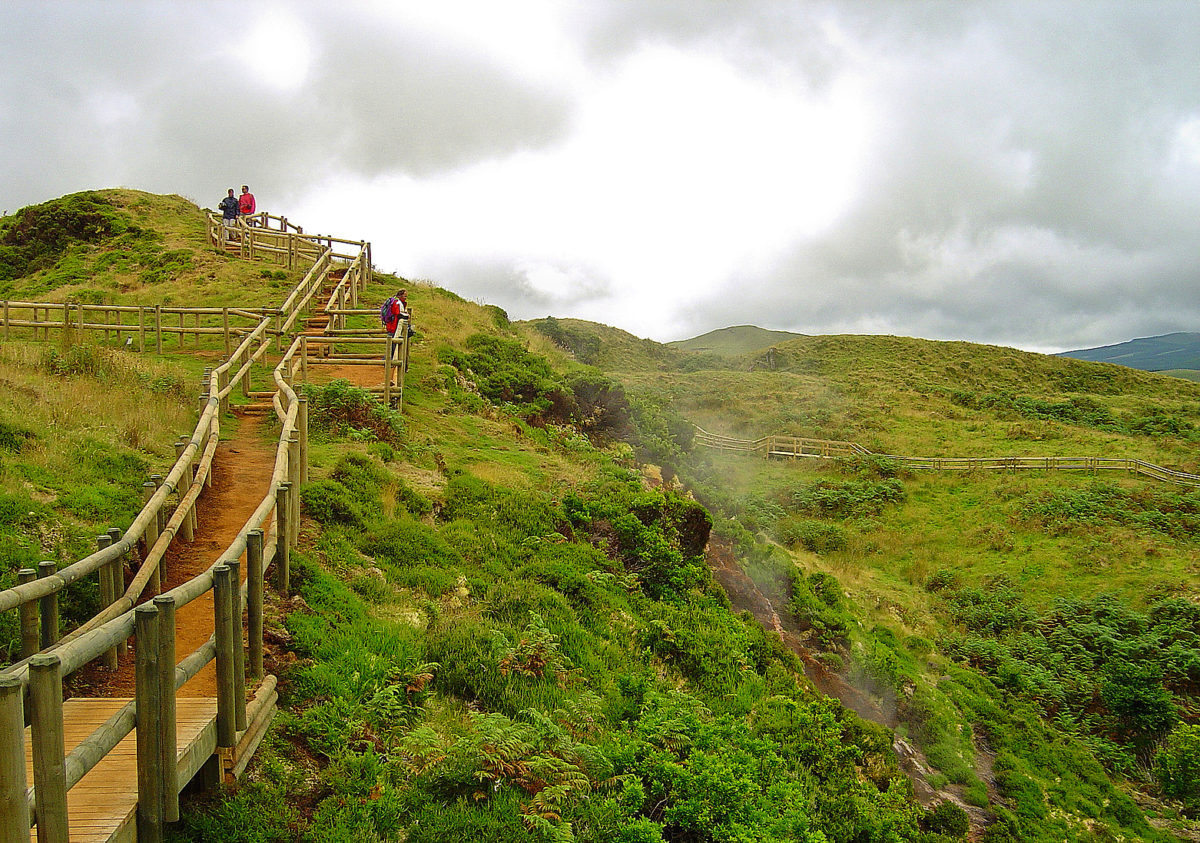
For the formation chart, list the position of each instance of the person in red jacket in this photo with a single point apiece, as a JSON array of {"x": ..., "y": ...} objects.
[
  {"x": 246, "y": 203},
  {"x": 396, "y": 310}
]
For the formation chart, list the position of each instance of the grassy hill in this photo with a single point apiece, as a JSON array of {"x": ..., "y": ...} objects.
[
  {"x": 506, "y": 633},
  {"x": 739, "y": 339}
]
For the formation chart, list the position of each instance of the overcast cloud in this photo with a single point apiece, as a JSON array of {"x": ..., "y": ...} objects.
[{"x": 1018, "y": 173}]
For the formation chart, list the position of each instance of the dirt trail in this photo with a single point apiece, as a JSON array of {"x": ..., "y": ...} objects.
[{"x": 241, "y": 478}]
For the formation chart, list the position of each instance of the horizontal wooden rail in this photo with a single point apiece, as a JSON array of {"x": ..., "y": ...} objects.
[
  {"x": 264, "y": 540},
  {"x": 795, "y": 446}
]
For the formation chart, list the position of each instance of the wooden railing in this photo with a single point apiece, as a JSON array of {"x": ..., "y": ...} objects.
[
  {"x": 795, "y": 446},
  {"x": 142, "y": 326},
  {"x": 779, "y": 446},
  {"x": 31, "y": 689},
  {"x": 255, "y": 237}
]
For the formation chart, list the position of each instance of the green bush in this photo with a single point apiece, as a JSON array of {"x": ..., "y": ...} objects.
[
  {"x": 815, "y": 604},
  {"x": 1177, "y": 767},
  {"x": 505, "y": 372},
  {"x": 13, "y": 437},
  {"x": 36, "y": 236},
  {"x": 329, "y": 502},
  {"x": 585, "y": 346},
  {"x": 340, "y": 409},
  {"x": 812, "y": 535},
  {"x": 469, "y": 652},
  {"x": 402, "y": 542},
  {"x": 849, "y": 499},
  {"x": 413, "y": 502},
  {"x": 946, "y": 818}
]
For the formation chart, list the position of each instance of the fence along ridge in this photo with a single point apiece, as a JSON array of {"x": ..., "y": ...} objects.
[
  {"x": 779, "y": 445},
  {"x": 34, "y": 684}
]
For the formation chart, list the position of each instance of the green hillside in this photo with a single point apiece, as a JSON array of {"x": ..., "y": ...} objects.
[
  {"x": 511, "y": 628},
  {"x": 739, "y": 339}
]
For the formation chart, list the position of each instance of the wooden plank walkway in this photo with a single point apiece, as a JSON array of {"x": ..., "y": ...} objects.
[{"x": 103, "y": 806}]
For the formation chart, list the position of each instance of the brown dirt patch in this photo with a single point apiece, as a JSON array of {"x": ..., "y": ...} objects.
[{"x": 241, "y": 478}]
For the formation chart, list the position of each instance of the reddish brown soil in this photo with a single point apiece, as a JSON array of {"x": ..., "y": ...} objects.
[{"x": 241, "y": 478}]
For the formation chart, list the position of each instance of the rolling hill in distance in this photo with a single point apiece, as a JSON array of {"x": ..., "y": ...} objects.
[
  {"x": 1176, "y": 354},
  {"x": 738, "y": 339},
  {"x": 1166, "y": 353},
  {"x": 534, "y": 608}
]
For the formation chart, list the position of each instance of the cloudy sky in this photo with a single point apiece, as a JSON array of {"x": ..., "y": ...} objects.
[{"x": 1019, "y": 173}]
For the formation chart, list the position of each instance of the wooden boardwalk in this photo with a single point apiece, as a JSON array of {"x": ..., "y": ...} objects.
[
  {"x": 103, "y": 806},
  {"x": 216, "y": 736}
]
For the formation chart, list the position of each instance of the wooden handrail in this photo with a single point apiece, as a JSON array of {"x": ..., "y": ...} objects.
[
  {"x": 273, "y": 524},
  {"x": 796, "y": 446}
]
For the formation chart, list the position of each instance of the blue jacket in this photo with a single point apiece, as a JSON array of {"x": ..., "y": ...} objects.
[{"x": 229, "y": 207}]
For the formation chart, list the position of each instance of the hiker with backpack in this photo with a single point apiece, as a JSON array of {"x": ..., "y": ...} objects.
[{"x": 393, "y": 313}]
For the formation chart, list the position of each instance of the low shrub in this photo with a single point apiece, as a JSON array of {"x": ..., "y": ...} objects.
[
  {"x": 340, "y": 409},
  {"x": 848, "y": 499},
  {"x": 812, "y": 535},
  {"x": 1177, "y": 767}
]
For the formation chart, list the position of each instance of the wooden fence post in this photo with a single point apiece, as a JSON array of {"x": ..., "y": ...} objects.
[
  {"x": 223, "y": 625},
  {"x": 168, "y": 739},
  {"x": 108, "y": 594},
  {"x": 14, "y": 808},
  {"x": 66, "y": 326},
  {"x": 246, "y": 369},
  {"x": 49, "y": 607},
  {"x": 6, "y": 319},
  {"x": 49, "y": 752},
  {"x": 150, "y": 537},
  {"x": 162, "y": 510},
  {"x": 387, "y": 371},
  {"x": 294, "y": 482},
  {"x": 31, "y": 637},
  {"x": 158, "y": 329},
  {"x": 302, "y": 428},
  {"x": 149, "y": 704},
  {"x": 222, "y": 383},
  {"x": 239, "y": 652},
  {"x": 118, "y": 578},
  {"x": 283, "y": 562},
  {"x": 254, "y": 600},
  {"x": 185, "y": 525}
]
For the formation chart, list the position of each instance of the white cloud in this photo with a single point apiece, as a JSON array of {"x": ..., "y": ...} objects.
[{"x": 1011, "y": 172}]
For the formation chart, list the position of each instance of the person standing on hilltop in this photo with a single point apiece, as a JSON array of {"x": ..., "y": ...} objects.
[
  {"x": 229, "y": 213},
  {"x": 246, "y": 203}
]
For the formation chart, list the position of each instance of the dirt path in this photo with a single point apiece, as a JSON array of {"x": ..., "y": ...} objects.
[{"x": 241, "y": 478}]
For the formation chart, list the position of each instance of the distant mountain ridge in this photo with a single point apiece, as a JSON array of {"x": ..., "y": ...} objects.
[{"x": 1150, "y": 354}]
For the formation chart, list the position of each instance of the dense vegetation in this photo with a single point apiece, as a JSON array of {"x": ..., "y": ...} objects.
[{"x": 517, "y": 664}]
